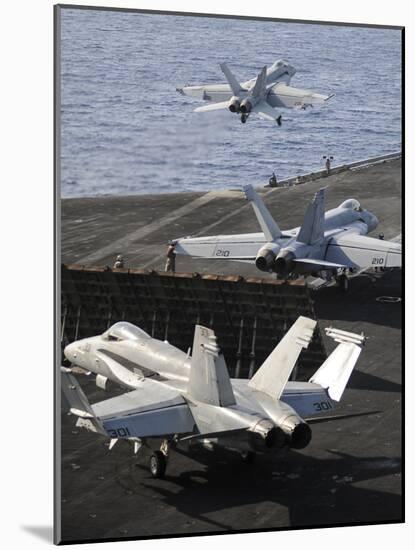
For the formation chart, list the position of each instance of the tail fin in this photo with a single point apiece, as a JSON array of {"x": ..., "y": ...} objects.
[
  {"x": 274, "y": 373},
  {"x": 230, "y": 77},
  {"x": 335, "y": 372},
  {"x": 209, "y": 380},
  {"x": 266, "y": 221},
  {"x": 260, "y": 84},
  {"x": 312, "y": 229}
]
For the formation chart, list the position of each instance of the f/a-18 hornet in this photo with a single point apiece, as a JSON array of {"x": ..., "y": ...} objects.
[
  {"x": 260, "y": 95},
  {"x": 327, "y": 243},
  {"x": 187, "y": 400}
]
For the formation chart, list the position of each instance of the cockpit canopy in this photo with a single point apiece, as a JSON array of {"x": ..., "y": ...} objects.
[
  {"x": 124, "y": 331},
  {"x": 281, "y": 63},
  {"x": 351, "y": 204}
]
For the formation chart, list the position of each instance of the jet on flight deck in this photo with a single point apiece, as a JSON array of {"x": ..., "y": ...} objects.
[
  {"x": 327, "y": 243},
  {"x": 189, "y": 400},
  {"x": 262, "y": 95}
]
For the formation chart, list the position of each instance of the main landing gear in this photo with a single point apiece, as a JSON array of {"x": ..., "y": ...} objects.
[
  {"x": 158, "y": 460},
  {"x": 342, "y": 281},
  {"x": 158, "y": 464},
  {"x": 244, "y": 118}
]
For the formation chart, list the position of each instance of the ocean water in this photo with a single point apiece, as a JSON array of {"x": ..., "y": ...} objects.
[{"x": 125, "y": 130}]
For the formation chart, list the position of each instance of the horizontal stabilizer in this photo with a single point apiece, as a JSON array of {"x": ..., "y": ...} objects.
[
  {"x": 271, "y": 378},
  {"x": 212, "y": 107},
  {"x": 265, "y": 111},
  {"x": 209, "y": 380},
  {"x": 335, "y": 372},
  {"x": 266, "y": 221},
  {"x": 319, "y": 263},
  {"x": 312, "y": 229},
  {"x": 326, "y": 418}
]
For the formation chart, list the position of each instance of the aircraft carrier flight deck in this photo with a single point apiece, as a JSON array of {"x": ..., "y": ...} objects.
[{"x": 351, "y": 471}]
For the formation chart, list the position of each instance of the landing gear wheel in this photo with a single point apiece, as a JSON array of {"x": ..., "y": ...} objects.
[
  {"x": 158, "y": 464},
  {"x": 248, "y": 457},
  {"x": 343, "y": 282},
  {"x": 243, "y": 119},
  {"x": 279, "y": 120}
]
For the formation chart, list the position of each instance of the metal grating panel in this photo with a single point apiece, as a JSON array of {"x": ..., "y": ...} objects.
[{"x": 249, "y": 316}]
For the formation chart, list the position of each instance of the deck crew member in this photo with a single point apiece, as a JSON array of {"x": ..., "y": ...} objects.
[
  {"x": 119, "y": 262},
  {"x": 170, "y": 259}
]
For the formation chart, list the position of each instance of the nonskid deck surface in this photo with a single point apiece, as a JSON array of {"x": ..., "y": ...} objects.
[{"x": 351, "y": 471}]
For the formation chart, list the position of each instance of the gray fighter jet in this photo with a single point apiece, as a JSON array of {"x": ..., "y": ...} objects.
[
  {"x": 327, "y": 243},
  {"x": 260, "y": 96},
  {"x": 187, "y": 400}
]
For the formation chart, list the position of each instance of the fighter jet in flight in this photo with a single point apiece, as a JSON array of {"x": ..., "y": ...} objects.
[
  {"x": 260, "y": 95},
  {"x": 327, "y": 243},
  {"x": 185, "y": 399}
]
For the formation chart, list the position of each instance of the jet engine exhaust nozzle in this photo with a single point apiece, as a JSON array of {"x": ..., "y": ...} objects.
[
  {"x": 297, "y": 432},
  {"x": 284, "y": 262},
  {"x": 301, "y": 436},
  {"x": 266, "y": 256},
  {"x": 246, "y": 106},
  {"x": 269, "y": 435},
  {"x": 235, "y": 106}
]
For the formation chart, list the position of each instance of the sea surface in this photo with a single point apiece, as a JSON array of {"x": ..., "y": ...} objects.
[{"x": 126, "y": 130}]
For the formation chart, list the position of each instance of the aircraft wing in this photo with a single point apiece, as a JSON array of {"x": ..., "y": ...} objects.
[
  {"x": 265, "y": 111},
  {"x": 212, "y": 107},
  {"x": 75, "y": 402},
  {"x": 282, "y": 95},
  {"x": 311, "y": 264},
  {"x": 241, "y": 248},
  {"x": 152, "y": 410},
  {"x": 207, "y": 92},
  {"x": 361, "y": 251}
]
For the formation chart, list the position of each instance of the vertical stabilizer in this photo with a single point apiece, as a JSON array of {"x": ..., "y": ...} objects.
[
  {"x": 335, "y": 372},
  {"x": 312, "y": 229},
  {"x": 209, "y": 380},
  {"x": 272, "y": 376},
  {"x": 266, "y": 221},
  {"x": 260, "y": 84},
  {"x": 232, "y": 81}
]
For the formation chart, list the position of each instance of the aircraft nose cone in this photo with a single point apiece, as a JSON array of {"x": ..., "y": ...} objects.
[{"x": 70, "y": 352}]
